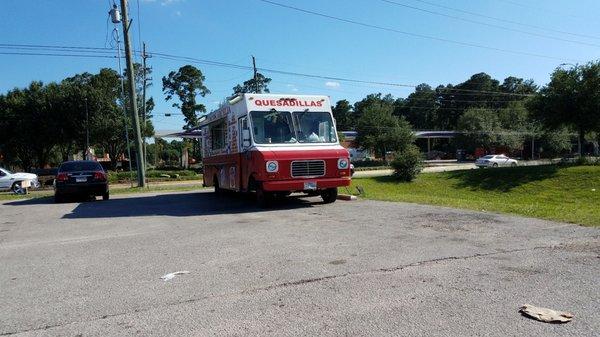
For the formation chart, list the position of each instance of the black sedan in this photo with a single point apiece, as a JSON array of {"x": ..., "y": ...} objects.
[{"x": 80, "y": 178}]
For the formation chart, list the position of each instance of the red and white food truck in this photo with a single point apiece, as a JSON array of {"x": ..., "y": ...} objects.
[{"x": 274, "y": 145}]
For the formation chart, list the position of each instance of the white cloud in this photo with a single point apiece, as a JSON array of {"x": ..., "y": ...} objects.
[
  {"x": 169, "y": 2},
  {"x": 332, "y": 84},
  {"x": 177, "y": 13},
  {"x": 292, "y": 87}
]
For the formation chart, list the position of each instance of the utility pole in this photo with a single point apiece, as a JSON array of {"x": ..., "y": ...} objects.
[
  {"x": 255, "y": 75},
  {"x": 87, "y": 130},
  {"x": 144, "y": 57},
  {"x": 132, "y": 97}
]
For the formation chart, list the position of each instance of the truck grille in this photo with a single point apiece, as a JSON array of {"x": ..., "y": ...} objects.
[{"x": 308, "y": 168}]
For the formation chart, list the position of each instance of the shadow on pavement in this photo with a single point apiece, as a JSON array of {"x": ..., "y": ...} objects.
[
  {"x": 32, "y": 201},
  {"x": 502, "y": 179},
  {"x": 179, "y": 204}
]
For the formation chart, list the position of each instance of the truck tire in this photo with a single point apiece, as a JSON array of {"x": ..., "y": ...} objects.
[
  {"x": 106, "y": 196},
  {"x": 58, "y": 198},
  {"x": 329, "y": 195},
  {"x": 218, "y": 190},
  {"x": 263, "y": 198}
]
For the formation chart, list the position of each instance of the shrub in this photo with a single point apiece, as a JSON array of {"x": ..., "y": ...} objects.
[
  {"x": 407, "y": 164},
  {"x": 587, "y": 160}
]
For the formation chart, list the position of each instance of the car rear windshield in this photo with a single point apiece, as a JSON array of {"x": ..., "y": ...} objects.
[
  {"x": 488, "y": 157},
  {"x": 80, "y": 166}
]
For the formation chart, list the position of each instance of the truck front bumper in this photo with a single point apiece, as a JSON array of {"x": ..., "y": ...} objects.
[{"x": 300, "y": 184}]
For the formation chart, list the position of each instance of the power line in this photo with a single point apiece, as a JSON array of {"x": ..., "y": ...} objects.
[
  {"x": 454, "y": 91},
  {"x": 53, "y": 46},
  {"x": 488, "y": 24},
  {"x": 546, "y": 10},
  {"x": 341, "y": 79},
  {"x": 422, "y": 36},
  {"x": 505, "y": 20},
  {"x": 62, "y": 55}
]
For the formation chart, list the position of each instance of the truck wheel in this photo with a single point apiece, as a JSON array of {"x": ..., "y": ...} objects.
[
  {"x": 58, "y": 198},
  {"x": 106, "y": 196},
  {"x": 263, "y": 198},
  {"x": 329, "y": 195},
  {"x": 218, "y": 190}
]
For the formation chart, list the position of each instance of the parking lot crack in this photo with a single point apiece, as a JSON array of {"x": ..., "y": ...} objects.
[{"x": 292, "y": 284}]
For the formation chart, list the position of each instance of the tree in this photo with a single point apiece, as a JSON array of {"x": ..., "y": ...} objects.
[
  {"x": 343, "y": 114},
  {"x": 571, "y": 99},
  {"x": 186, "y": 84},
  {"x": 420, "y": 108},
  {"x": 380, "y": 130},
  {"x": 257, "y": 86},
  {"x": 30, "y": 117},
  {"x": 516, "y": 85},
  {"x": 480, "y": 127},
  {"x": 516, "y": 125}
]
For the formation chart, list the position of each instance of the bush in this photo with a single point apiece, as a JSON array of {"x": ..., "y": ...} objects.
[
  {"x": 155, "y": 175},
  {"x": 407, "y": 164},
  {"x": 588, "y": 161}
]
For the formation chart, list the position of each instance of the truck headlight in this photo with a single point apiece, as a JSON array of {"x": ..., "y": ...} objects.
[
  {"x": 343, "y": 163},
  {"x": 272, "y": 166}
]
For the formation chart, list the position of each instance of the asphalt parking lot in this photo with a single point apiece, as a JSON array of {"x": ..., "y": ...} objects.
[{"x": 301, "y": 268}]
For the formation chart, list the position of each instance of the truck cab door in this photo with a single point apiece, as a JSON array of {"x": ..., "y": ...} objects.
[{"x": 245, "y": 155}]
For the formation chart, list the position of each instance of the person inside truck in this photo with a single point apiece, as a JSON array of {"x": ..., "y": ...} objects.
[{"x": 273, "y": 128}]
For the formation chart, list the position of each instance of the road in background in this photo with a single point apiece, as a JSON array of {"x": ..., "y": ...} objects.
[{"x": 442, "y": 166}]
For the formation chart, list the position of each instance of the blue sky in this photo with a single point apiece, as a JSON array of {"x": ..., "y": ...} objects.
[{"x": 283, "y": 39}]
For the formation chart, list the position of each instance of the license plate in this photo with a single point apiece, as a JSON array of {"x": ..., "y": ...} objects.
[
  {"x": 311, "y": 185},
  {"x": 81, "y": 180}
]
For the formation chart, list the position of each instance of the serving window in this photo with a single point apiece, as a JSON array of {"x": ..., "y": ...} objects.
[{"x": 218, "y": 135}]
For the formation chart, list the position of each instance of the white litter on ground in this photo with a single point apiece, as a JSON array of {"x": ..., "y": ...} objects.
[
  {"x": 172, "y": 275},
  {"x": 545, "y": 314}
]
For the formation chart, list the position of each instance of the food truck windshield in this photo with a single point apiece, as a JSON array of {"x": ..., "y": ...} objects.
[{"x": 284, "y": 127}]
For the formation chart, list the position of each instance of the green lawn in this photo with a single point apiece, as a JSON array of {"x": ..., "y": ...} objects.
[{"x": 569, "y": 194}]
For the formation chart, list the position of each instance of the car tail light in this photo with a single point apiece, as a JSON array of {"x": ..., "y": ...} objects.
[
  {"x": 62, "y": 177},
  {"x": 98, "y": 175}
]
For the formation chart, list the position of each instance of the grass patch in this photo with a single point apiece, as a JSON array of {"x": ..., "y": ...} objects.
[
  {"x": 157, "y": 188},
  {"x": 569, "y": 194}
]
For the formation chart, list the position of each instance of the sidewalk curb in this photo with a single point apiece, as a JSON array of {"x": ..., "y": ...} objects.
[{"x": 347, "y": 197}]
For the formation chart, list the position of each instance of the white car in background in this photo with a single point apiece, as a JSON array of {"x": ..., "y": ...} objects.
[
  {"x": 17, "y": 182},
  {"x": 495, "y": 160}
]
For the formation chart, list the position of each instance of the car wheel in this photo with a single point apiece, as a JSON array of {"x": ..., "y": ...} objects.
[
  {"x": 495, "y": 165},
  {"x": 17, "y": 189},
  {"x": 58, "y": 198},
  {"x": 106, "y": 196},
  {"x": 329, "y": 195},
  {"x": 513, "y": 164}
]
